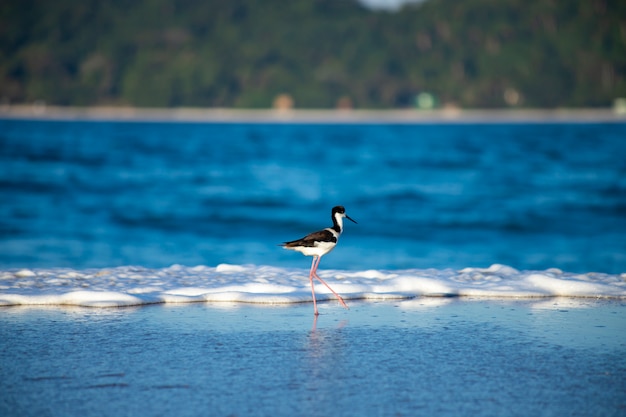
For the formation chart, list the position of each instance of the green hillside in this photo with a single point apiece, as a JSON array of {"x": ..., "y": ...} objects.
[{"x": 243, "y": 53}]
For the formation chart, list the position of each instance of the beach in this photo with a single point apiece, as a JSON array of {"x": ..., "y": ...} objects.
[
  {"x": 141, "y": 272},
  {"x": 233, "y": 115}
]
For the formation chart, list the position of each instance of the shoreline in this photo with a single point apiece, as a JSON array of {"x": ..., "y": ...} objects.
[
  {"x": 134, "y": 286},
  {"x": 227, "y": 115},
  {"x": 324, "y": 300}
]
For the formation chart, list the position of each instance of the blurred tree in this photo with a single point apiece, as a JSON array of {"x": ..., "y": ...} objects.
[{"x": 243, "y": 53}]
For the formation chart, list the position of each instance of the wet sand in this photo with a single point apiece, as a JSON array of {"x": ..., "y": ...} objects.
[{"x": 425, "y": 356}]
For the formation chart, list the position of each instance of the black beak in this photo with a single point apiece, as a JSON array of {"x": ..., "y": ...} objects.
[{"x": 352, "y": 220}]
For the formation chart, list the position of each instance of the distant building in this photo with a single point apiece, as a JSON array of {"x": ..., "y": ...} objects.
[
  {"x": 344, "y": 103},
  {"x": 283, "y": 102}
]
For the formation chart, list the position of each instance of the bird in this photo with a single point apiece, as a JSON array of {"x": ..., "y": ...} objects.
[{"x": 318, "y": 244}]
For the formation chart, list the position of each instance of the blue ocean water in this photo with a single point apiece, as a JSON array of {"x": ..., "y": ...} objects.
[{"x": 109, "y": 193}]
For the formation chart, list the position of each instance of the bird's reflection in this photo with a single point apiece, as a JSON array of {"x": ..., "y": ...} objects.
[
  {"x": 323, "y": 363},
  {"x": 325, "y": 347}
]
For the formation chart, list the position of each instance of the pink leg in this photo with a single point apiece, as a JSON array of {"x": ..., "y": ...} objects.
[
  {"x": 313, "y": 286},
  {"x": 314, "y": 273}
]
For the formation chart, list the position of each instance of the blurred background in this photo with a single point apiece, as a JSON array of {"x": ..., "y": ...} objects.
[{"x": 314, "y": 53}]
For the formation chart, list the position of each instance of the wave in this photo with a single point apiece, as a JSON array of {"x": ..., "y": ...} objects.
[{"x": 133, "y": 286}]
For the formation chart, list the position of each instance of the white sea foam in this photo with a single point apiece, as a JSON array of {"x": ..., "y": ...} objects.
[{"x": 125, "y": 286}]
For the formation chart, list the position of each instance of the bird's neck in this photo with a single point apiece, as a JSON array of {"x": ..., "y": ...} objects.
[{"x": 337, "y": 223}]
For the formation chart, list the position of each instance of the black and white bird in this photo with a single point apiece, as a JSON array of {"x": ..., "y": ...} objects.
[{"x": 318, "y": 244}]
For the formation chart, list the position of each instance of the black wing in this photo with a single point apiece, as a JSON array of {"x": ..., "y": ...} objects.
[{"x": 309, "y": 240}]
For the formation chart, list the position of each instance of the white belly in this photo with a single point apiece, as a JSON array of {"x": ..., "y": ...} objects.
[{"x": 320, "y": 248}]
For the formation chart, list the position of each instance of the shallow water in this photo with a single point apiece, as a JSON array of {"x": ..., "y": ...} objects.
[{"x": 425, "y": 356}]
